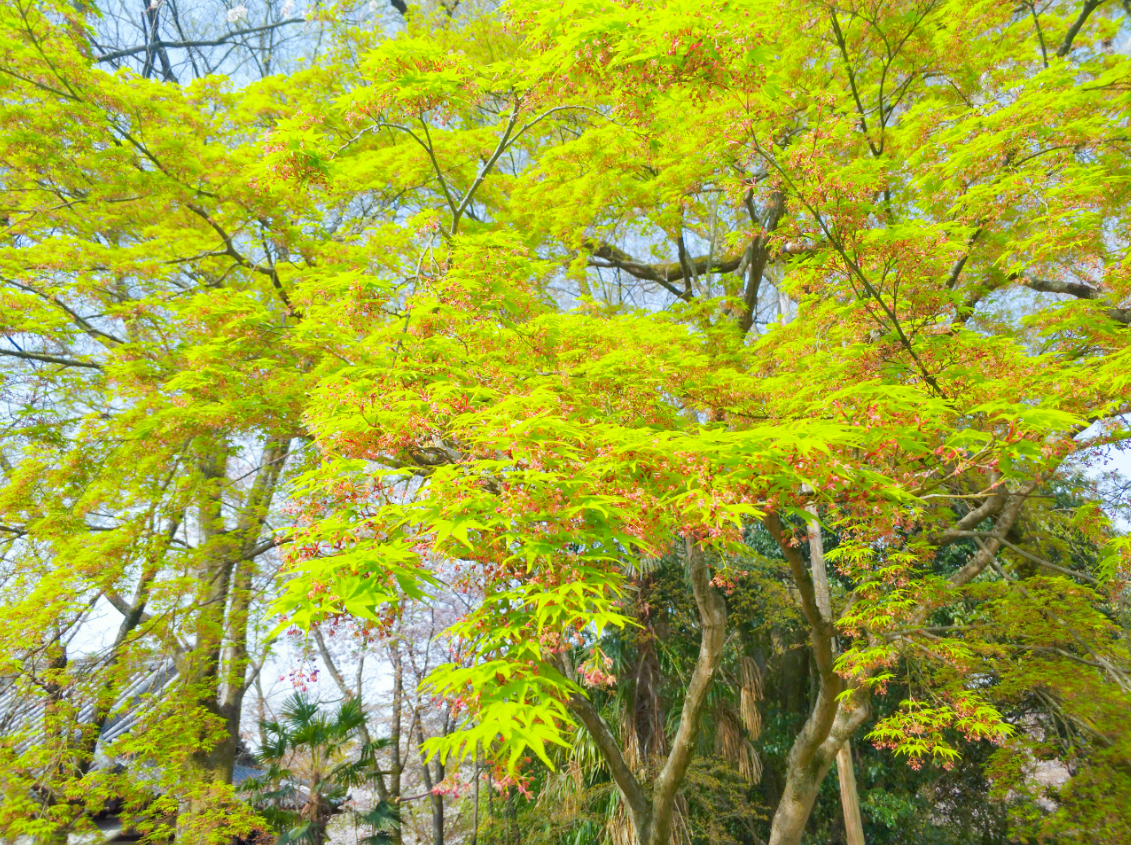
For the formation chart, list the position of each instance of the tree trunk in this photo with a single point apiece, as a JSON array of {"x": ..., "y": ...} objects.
[
  {"x": 436, "y": 800},
  {"x": 829, "y": 722},
  {"x": 201, "y": 669},
  {"x": 391, "y": 798},
  {"x": 651, "y": 816},
  {"x": 215, "y": 671},
  {"x": 846, "y": 775},
  {"x": 802, "y": 784},
  {"x": 475, "y": 799},
  {"x": 849, "y": 798},
  {"x": 712, "y": 635},
  {"x": 55, "y": 723},
  {"x": 512, "y": 825},
  {"x": 437, "y": 820}
]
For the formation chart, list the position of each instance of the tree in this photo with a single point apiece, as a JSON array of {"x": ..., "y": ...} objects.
[
  {"x": 404, "y": 653},
  {"x": 142, "y": 453},
  {"x": 310, "y": 769},
  {"x": 517, "y": 276},
  {"x": 113, "y": 498},
  {"x": 552, "y": 448}
]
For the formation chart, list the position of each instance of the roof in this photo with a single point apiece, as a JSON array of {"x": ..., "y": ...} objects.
[{"x": 24, "y": 712}]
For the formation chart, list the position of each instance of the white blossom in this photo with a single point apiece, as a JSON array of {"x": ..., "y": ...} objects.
[
  {"x": 237, "y": 13},
  {"x": 287, "y": 10},
  {"x": 374, "y": 7}
]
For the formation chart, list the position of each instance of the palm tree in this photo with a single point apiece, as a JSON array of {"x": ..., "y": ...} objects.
[{"x": 310, "y": 769}]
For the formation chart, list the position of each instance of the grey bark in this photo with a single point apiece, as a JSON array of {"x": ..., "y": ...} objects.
[
  {"x": 651, "y": 815},
  {"x": 846, "y": 774}
]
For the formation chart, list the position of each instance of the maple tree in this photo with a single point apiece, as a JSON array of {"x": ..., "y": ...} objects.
[
  {"x": 116, "y": 491},
  {"x": 540, "y": 296}
]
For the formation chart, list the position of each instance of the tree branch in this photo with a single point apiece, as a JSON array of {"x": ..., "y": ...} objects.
[
  {"x": 759, "y": 256},
  {"x": 499, "y": 149},
  {"x": 1074, "y": 30},
  {"x": 1118, "y": 675},
  {"x": 712, "y": 634},
  {"x": 231, "y": 251},
  {"x": 994, "y": 540},
  {"x": 854, "y": 268},
  {"x": 49, "y": 359},
  {"x": 1080, "y": 291},
  {"x": 216, "y": 42},
  {"x": 991, "y": 507},
  {"x": 845, "y": 725},
  {"x": 815, "y": 746},
  {"x": 821, "y": 633},
  {"x": 1040, "y": 561},
  {"x": 79, "y": 320},
  {"x": 664, "y": 274},
  {"x": 639, "y": 810},
  {"x": 960, "y": 262}
]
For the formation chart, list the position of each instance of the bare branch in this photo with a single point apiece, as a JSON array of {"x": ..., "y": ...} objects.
[
  {"x": 49, "y": 359},
  {"x": 1074, "y": 30},
  {"x": 1080, "y": 291},
  {"x": 216, "y": 42},
  {"x": 664, "y": 274}
]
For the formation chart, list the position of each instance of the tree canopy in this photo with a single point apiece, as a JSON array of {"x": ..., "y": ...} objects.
[{"x": 615, "y": 321}]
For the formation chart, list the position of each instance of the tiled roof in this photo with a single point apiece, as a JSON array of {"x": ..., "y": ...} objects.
[
  {"x": 24, "y": 713},
  {"x": 21, "y": 712}
]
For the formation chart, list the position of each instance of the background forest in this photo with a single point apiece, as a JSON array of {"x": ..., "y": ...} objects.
[{"x": 643, "y": 422}]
